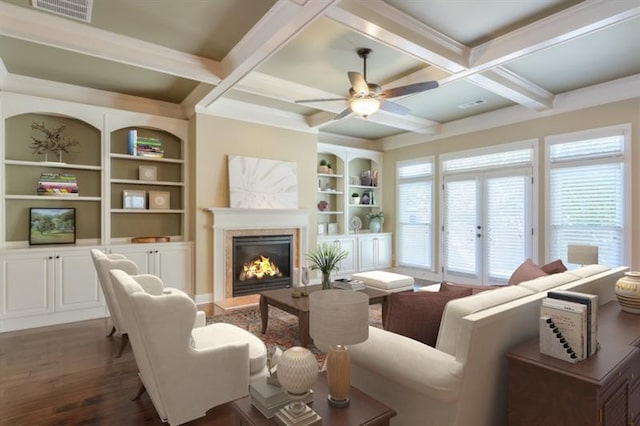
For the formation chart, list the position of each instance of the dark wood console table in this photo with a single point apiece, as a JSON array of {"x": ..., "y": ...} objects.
[{"x": 602, "y": 390}]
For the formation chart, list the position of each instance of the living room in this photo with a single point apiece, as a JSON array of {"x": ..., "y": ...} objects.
[{"x": 215, "y": 104}]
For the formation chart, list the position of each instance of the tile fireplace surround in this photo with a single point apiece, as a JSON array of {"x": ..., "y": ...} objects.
[{"x": 228, "y": 223}]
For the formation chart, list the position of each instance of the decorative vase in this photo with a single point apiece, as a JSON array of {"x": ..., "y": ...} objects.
[
  {"x": 628, "y": 292},
  {"x": 326, "y": 280},
  {"x": 375, "y": 225},
  {"x": 297, "y": 372}
]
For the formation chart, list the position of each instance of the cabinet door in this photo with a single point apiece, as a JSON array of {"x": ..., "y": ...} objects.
[
  {"x": 374, "y": 252},
  {"x": 142, "y": 254},
  {"x": 26, "y": 284},
  {"x": 173, "y": 266},
  {"x": 348, "y": 265},
  {"x": 76, "y": 282}
]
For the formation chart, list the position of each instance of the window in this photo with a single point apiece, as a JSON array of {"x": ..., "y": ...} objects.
[
  {"x": 414, "y": 212},
  {"x": 586, "y": 193},
  {"x": 487, "y": 212}
]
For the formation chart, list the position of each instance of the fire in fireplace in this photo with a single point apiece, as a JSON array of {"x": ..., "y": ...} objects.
[{"x": 261, "y": 262}]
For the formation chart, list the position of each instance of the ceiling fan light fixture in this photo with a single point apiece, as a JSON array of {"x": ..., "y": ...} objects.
[{"x": 365, "y": 106}]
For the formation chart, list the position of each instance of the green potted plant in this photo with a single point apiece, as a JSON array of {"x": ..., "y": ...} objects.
[
  {"x": 355, "y": 198},
  {"x": 330, "y": 168},
  {"x": 322, "y": 168},
  {"x": 376, "y": 219},
  {"x": 326, "y": 258}
]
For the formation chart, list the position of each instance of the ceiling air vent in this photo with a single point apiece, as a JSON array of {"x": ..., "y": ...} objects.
[
  {"x": 472, "y": 104},
  {"x": 75, "y": 9}
]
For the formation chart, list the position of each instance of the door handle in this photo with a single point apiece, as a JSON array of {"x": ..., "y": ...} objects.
[{"x": 478, "y": 235}]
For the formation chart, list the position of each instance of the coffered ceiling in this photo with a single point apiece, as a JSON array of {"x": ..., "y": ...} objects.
[{"x": 495, "y": 61}]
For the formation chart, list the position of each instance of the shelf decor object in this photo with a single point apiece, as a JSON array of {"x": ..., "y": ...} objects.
[
  {"x": 148, "y": 173},
  {"x": 133, "y": 199},
  {"x": 297, "y": 372},
  {"x": 52, "y": 226},
  {"x": 159, "y": 199},
  {"x": 53, "y": 141},
  {"x": 628, "y": 292},
  {"x": 338, "y": 318}
]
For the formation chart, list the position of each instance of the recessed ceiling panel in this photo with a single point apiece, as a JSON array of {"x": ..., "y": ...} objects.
[
  {"x": 204, "y": 28},
  {"x": 47, "y": 63},
  {"x": 472, "y": 22},
  {"x": 605, "y": 55},
  {"x": 321, "y": 56},
  {"x": 268, "y": 102},
  {"x": 442, "y": 104}
]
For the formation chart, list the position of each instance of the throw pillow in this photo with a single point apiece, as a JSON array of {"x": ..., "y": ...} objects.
[
  {"x": 417, "y": 315},
  {"x": 525, "y": 272},
  {"x": 554, "y": 267}
]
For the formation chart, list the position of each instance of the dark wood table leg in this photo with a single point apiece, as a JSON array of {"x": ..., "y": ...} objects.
[
  {"x": 385, "y": 308},
  {"x": 264, "y": 313},
  {"x": 303, "y": 328}
]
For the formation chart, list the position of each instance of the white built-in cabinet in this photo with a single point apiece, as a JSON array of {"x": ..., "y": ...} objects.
[
  {"x": 48, "y": 286},
  {"x": 170, "y": 262},
  {"x": 366, "y": 250},
  {"x": 374, "y": 251},
  {"x": 45, "y": 285}
]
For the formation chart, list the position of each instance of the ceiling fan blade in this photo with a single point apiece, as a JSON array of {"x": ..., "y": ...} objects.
[
  {"x": 321, "y": 100},
  {"x": 343, "y": 114},
  {"x": 358, "y": 83},
  {"x": 409, "y": 89},
  {"x": 394, "y": 108}
]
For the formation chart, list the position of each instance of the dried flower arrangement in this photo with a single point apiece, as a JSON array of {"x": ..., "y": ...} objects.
[{"x": 53, "y": 141}]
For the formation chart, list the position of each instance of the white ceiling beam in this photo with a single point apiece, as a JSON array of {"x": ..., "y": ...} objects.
[
  {"x": 579, "y": 20},
  {"x": 278, "y": 26},
  {"x": 30, "y": 25},
  {"x": 412, "y": 37}
]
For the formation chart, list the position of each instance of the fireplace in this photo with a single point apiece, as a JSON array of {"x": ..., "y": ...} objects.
[
  {"x": 230, "y": 223},
  {"x": 261, "y": 262}
]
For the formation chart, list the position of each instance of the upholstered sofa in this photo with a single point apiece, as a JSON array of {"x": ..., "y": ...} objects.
[{"x": 462, "y": 381}]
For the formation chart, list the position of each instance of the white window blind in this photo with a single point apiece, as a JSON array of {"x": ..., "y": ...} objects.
[
  {"x": 488, "y": 161},
  {"x": 414, "y": 213},
  {"x": 586, "y": 196},
  {"x": 460, "y": 221}
]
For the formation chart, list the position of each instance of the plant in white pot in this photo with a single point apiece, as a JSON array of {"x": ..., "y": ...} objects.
[
  {"x": 355, "y": 198},
  {"x": 326, "y": 259},
  {"x": 376, "y": 219}
]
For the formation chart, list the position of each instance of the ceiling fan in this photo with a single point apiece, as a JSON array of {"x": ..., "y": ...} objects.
[{"x": 366, "y": 98}]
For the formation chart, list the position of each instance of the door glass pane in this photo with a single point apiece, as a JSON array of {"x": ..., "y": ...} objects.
[
  {"x": 414, "y": 223},
  {"x": 505, "y": 233},
  {"x": 460, "y": 218}
]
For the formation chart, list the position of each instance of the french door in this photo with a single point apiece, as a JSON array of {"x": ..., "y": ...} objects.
[{"x": 487, "y": 225}]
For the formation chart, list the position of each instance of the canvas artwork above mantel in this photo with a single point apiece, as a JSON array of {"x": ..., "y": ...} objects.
[{"x": 259, "y": 183}]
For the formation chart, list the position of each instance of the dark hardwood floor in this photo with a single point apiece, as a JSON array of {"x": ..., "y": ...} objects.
[{"x": 67, "y": 375}]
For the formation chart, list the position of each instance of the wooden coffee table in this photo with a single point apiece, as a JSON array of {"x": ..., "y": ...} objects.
[
  {"x": 362, "y": 410},
  {"x": 281, "y": 298}
]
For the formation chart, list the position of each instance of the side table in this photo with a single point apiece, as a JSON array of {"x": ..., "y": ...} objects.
[{"x": 363, "y": 409}]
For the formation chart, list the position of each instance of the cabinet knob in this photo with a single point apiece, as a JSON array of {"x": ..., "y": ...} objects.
[
  {"x": 57, "y": 257},
  {"x": 156, "y": 251},
  {"x": 50, "y": 257}
]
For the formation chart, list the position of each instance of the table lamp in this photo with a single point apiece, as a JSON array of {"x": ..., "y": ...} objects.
[
  {"x": 582, "y": 255},
  {"x": 297, "y": 372},
  {"x": 338, "y": 318}
]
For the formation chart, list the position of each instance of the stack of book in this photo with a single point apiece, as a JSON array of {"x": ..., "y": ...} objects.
[
  {"x": 572, "y": 317},
  {"x": 268, "y": 399},
  {"x": 144, "y": 146},
  {"x": 347, "y": 284},
  {"x": 64, "y": 184}
]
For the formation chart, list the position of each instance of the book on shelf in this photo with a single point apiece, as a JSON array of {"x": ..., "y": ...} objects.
[
  {"x": 143, "y": 146},
  {"x": 591, "y": 302},
  {"x": 266, "y": 393},
  {"x": 57, "y": 184},
  {"x": 570, "y": 318}
]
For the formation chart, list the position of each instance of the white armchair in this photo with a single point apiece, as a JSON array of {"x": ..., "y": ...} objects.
[
  {"x": 151, "y": 284},
  {"x": 186, "y": 371}
]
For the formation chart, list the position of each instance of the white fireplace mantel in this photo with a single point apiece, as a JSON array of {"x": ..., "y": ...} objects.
[{"x": 226, "y": 219}]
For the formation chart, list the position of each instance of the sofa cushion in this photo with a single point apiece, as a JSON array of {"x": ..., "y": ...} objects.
[
  {"x": 525, "y": 272},
  {"x": 457, "y": 309},
  {"x": 417, "y": 315},
  {"x": 554, "y": 267}
]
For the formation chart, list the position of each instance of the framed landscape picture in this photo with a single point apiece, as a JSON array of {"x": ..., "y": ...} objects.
[{"x": 52, "y": 226}]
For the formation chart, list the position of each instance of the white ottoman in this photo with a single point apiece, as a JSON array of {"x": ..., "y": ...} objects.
[{"x": 387, "y": 281}]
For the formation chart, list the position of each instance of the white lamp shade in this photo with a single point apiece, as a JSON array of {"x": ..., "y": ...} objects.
[
  {"x": 338, "y": 317},
  {"x": 582, "y": 255}
]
